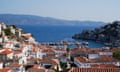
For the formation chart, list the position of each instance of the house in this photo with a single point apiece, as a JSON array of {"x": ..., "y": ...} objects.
[
  {"x": 94, "y": 70},
  {"x": 48, "y": 53},
  {"x": 59, "y": 51},
  {"x": 28, "y": 37},
  {"x": 1, "y": 65},
  {"x": 9, "y": 44},
  {"x": 49, "y": 63},
  {"x": 5, "y": 38},
  {"x": 18, "y": 32},
  {"x": 5, "y": 70},
  {"x": 92, "y": 55},
  {"x": 15, "y": 67},
  {"x": 17, "y": 54},
  {"x": 84, "y": 62},
  {"x": 104, "y": 66},
  {"x": 24, "y": 50},
  {"x": 32, "y": 61},
  {"x": 2, "y": 26},
  {"x": 12, "y": 29},
  {"x": 36, "y": 68},
  {"x": 35, "y": 52},
  {"x": 6, "y": 54},
  {"x": 19, "y": 57},
  {"x": 1, "y": 39},
  {"x": 108, "y": 53},
  {"x": 63, "y": 58}
]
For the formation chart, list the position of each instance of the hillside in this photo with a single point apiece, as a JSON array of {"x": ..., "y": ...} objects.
[
  {"x": 32, "y": 19},
  {"x": 109, "y": 34}
]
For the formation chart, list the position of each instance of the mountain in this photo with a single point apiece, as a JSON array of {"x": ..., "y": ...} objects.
[{"x": 32, "y": 19}]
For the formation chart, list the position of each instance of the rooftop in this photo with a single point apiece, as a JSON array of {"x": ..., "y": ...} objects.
[{"x": 94, "y": 70}]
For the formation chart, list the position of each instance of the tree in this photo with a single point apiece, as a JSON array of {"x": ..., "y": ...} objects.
[
  {"x": 7, "y": 31},
  {"x": 63, "y": 65},
  {"x": 14, "y": 26},
  {"x": 116, "y": 54}
]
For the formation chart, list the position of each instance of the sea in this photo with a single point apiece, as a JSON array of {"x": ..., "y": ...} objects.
[{"x": 58, "y": 33}]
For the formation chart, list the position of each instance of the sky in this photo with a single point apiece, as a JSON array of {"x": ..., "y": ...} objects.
[{"x": 95, "y": 10}]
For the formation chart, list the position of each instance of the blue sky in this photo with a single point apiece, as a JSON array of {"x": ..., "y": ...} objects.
[{"x": 96, "y": 10}]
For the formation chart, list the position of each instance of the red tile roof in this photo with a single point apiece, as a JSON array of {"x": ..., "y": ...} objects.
[
  {"x": 81, "y": 59},
  {"x": 101, "y": 59},
  {"x": 5, "y": 70},
  {"x": 14, "y": 65},
  {"x": 31, "y": 59},
  {"x": 17, "y": 52},
  {"x": 48, "y": 50},
  {"x": 6, "y": 51},
  {"x": 36, "y": 68},
  {"x": 105, "y": 65},
  {"x": 94, "y": 70}
]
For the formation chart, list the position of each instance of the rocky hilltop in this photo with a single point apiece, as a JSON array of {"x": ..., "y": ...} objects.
[{"x": 109, "y": 34}]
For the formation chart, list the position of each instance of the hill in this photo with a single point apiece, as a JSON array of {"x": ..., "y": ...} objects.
[
  {"x": 109, "y": 34},
  {"x": 32, "y": 19}
]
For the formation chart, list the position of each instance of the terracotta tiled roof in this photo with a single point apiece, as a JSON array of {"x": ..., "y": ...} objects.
[
  {"x": 48, "y": 50},
  {"x": 108, "y": 58},
  {"x": 60, "y": 49},
  {"x": 101, "y": 59},
  {"x": 34, "y": 59},
  {"x": 36, "y": 68},
  {"x": 14, "y": 65},
  {"x": 105, "y": 65},
  {"x": 49, "y": 61},
  {"x": 81, "y": 59},
  {"x": 94, "y": 70},
  {"x": 5, "y": 70},
  {"x": 6, "y": 51},
  {"x": 17, "y": 52}
]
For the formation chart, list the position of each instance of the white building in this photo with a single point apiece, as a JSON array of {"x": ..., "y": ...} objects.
[{"x": 15, "y": 67}]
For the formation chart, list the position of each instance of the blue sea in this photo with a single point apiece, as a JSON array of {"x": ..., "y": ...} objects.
[{"x": 56, "y": 33}]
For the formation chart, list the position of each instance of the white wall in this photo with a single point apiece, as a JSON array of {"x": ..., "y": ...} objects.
[{"x": 93, "y": 56}]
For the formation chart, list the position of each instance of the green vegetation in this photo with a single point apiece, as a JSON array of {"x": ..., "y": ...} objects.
[
  {"x": 7, "y": 31},
  {"x": 116, "y": 54},
  {"x": 63, "y": 65},
  {"x": 14, "y": 26},
  {"x": 68, "y": 50}
]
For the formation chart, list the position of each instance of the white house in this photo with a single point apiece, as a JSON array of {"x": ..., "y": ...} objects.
[
  {"x": 6, "y": 54},
  {"x": 1, "y": 65},
  {"x": 86, "y": 63},
  {"x": 18, "y": 32},
  {"x": 15, "y": 67},
  {"x": 59, "y": 52},
  {"x": 32, "y": 61},
  {"x": 92, "y": 55},
  {"x": 35, "y": 52},
  {"x": 12, "y": 30},
  {"x": 106, "y": 53},
  {"x": 8, "y": 45},
  {"x": 5, "y": 39}
]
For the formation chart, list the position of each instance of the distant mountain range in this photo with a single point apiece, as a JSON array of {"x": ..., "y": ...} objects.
[{"x": 32, "y": 20}]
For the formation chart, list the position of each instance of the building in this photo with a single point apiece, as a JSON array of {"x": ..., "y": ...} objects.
[
  {"x": 94, "y": 70},
  {"x": 15, "y": 67}
]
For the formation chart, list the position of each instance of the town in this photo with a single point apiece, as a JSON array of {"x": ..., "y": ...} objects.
[{"x": 20, "y": 52}]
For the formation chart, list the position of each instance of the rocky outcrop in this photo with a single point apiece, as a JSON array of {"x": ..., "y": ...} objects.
[{"x": 109, "y": 33}]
